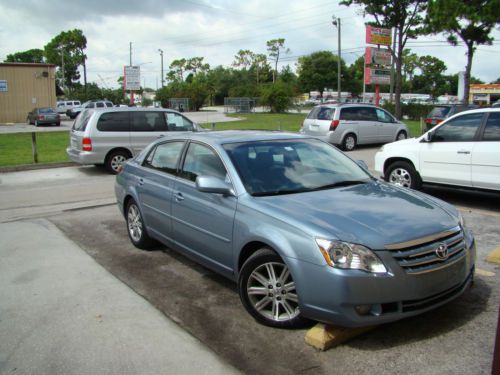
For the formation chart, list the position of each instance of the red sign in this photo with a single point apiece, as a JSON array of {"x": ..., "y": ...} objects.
[{"x": 378, "y": 35}]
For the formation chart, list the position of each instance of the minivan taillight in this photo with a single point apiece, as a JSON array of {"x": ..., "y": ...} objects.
[
  {"x": 334, "y": 124},
  {"x": 87, "y": 144}
]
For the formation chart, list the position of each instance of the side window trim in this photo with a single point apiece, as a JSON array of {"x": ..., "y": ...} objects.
[{"x": 146, "y": 161}]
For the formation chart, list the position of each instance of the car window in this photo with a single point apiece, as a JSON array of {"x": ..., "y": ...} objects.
[
  {"x": 60, "y": 105},
  {"x": 439, "y": 112},
  {"x": 325, "y": 113},
  {"x": 147, "y": 122},
  {"x": 202, "y": 161},
  {"x": 383, "y": 116},
  {"x": 113, "y": 122},
  {"x": 460, "y": 129},
  {"x": 177, "y": 122},
  {"x": 165, "y": 157},
  {"x": 90, "y": 105},
  {"x": 82, "y": 120},
  {"x": 367, "y": 114},
  {"x": 46, "y": 110},
  {"x": 314, "y": 113},
  {"x": 492, "y": 129},
  {"x": 99, "y": 105},
  {"x": 108, "y": 104}
]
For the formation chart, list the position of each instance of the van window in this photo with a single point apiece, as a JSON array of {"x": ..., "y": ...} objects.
[
  {"x": 147, "y": 122},
  {"x": 82, "y": 120},
  {"x": 109, "y": 104},
  {"x": 383, "y": 116},
  {"x": 178, "y": 122},
  {"x": 99, "y": 105},
  {"x": 113, "y": 122}
]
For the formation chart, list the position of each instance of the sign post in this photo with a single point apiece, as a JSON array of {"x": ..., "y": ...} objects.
[{"x": 377, "y": 59}]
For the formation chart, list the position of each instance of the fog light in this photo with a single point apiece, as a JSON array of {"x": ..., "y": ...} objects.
[
  {"x": 363, "y": 309},
  {"x": 376, "y": 310}
]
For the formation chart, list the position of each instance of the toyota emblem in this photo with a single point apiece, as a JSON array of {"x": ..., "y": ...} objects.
[{"x": 442, "y": 251}]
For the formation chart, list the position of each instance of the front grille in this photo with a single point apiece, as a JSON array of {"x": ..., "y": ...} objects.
[{"x": 420, "y": 256}]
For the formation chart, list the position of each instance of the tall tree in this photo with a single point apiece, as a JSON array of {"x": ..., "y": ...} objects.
[
  {"x": 243, "y": 59},
  {"x": 275, "y": 48},
  {"x": 318, "y": 71},
  {"x": 196, "y": 65},
  {"x": 472, "y": 21},
  {"x": 177, "y": 68},
  {"x": 34, "y": 55},
  {"x": 404, "y": 15}
]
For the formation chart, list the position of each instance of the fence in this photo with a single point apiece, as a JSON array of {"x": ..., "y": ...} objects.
[
  {"x": 238, "y": 105},
  {"x": 180, "y": 104}
]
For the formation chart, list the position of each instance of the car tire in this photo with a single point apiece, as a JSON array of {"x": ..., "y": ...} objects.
[
  {"x": 115, "y": 159},
  {"x": 268, "y": 292},
  {"x": 349, "y": 142},
  {"x": 402, "y": 173},
  {"x": 58, "y": 124},
  {"x": 401, "y": 135},
  {"x": 135, "y": 227}
]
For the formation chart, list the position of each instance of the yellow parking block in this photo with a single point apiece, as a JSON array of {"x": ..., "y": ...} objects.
[
  {"x": 494, "y": 256},
  {"x": 323, "y": 336}
]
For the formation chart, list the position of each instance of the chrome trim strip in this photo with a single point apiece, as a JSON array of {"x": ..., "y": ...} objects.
[
  {"x": 422, "y": 240},
  {"x": 430, "y": 251},
  {"x": 409, "y": 272},
  {"x": 429, "y": 260}
]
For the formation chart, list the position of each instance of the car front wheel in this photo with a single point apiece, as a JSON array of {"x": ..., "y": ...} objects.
[
  {"x": 403, "y": 174},
  {"x": 268, "y": 292},
  {"x": 136, "y": 228}
]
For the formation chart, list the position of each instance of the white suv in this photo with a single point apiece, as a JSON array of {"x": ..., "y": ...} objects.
[
  {"x": 463, "y": 151},
  {"x": 348, "y": 125}
]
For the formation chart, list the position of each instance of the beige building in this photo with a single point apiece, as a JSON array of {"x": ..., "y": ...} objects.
[
  {"x": 484, "y": 94},
  {"x": 24, "y": 87}
]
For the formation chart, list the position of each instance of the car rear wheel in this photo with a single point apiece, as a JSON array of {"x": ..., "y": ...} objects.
[
  {"x": 401, "y": 135},
  {"x": 268, "y": 292},
  {"x": 136, "y": 228},
  {"x": 403, "y": 174},
  {"x": 115, "y": 160},
  {"x": 349, "y": 142}
]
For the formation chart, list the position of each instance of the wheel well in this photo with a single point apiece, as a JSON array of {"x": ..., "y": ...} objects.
[
  {"x": 127, "y": 199},
  {"x": 118, "y": 149},
  {"x": 248, "y": 250},
  {"x": 389, "y": 161}
]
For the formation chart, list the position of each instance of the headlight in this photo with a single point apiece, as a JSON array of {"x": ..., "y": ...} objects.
[{"x": 347, "y": 255}]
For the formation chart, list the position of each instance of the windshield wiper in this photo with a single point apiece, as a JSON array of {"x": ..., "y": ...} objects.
[
  {"x": 275, "y": 192},
  {"x": 339, "y": 184}
]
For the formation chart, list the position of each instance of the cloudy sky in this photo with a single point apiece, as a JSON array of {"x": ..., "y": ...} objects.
[{"x": 214, "y": 29}]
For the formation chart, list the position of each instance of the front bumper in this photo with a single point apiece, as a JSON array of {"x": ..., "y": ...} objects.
[{"x": 333, "y": 296}]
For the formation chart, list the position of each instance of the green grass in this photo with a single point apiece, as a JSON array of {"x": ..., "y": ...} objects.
[
  {"x": 15, "y": 149},
  {"x": 262, "y": 121}
]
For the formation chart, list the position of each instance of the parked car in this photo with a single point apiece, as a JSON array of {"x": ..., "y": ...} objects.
[
  {"x": 110, "y": 136},
  {"x": 441, "y": 112},
  {"x": 348, "y": 125},
  {"x": 73, "y": 112},
  {"x": 42, "y": 116},
  {"x": 63, "y": 106},
  {"x": 304, "y": 230},
  {"x": 464, "y": 150}
]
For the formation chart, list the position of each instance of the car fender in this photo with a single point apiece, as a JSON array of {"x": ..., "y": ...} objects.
[{"x": 407, "y": 150}]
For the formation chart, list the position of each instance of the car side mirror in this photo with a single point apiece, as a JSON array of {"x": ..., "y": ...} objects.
[
  {"x": 214, "y": 185},
  {"x": 428, "y": 137}
]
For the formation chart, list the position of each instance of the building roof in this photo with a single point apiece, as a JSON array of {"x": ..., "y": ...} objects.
[{"x": 26, "y": 65}]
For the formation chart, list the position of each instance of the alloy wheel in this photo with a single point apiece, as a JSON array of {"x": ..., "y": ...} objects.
[{"x": 400, "y": 177}]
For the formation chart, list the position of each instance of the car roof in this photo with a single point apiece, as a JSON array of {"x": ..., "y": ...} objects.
[
  {"x": 131, "y": 109},
  {"x": 347, "y": 105}
]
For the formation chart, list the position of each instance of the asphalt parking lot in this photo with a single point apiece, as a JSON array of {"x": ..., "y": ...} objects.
[{"x": 455, "y": 339}]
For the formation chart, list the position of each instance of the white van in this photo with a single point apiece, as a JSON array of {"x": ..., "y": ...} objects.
[{"x": 63, "y": 106}]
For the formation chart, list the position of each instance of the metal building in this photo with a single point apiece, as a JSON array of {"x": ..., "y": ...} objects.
[{"x": 23, "y": 87}]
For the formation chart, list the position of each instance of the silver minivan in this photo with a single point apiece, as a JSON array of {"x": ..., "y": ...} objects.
[
  {"x": 65, "y": 105},
  {"x": 347, "y": 125},
  {"x": 110, "y": 136}
]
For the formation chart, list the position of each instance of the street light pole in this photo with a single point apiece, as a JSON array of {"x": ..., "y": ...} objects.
[
  {"x": 161, "y": 54},
  {"x": 336, "y": 22}
]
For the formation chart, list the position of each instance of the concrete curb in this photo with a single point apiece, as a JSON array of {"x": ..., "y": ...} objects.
[{"x": 30, "y": 167}]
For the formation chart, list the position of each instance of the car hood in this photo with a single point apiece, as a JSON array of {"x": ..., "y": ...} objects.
[{"x": 372, "y": 214}]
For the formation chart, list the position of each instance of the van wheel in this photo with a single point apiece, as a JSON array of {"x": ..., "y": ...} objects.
[
  {"x": 402, "y": 173},
  {"x": 268, "y": 291},
  {"x": 401, "y": 135},
  {"x": 349, "y": 142},
  {"x": 115, "y": 160}
]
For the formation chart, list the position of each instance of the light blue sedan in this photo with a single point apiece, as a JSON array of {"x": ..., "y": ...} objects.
[{"x": 306, "y": 232}]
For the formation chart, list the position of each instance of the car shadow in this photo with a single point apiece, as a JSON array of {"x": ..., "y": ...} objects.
[{"x": 465, "y": 197}]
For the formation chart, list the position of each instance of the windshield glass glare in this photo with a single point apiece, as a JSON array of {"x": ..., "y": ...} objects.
[{"x": 292, "y": 166}]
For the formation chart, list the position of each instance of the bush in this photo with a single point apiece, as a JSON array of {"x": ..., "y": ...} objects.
[{"x": 276, "y": 97}]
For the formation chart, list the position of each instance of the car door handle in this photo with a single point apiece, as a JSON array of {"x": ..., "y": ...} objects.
[
  {"x": 465, "y": 152},
  {"x": 141, "y": 181},
  {"x": 179, "y": 197}
]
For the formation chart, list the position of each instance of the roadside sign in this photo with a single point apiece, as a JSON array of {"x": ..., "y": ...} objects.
[
  {"x": 377, "y": 76},
  {"x": 132, "y": 78},
  {"x": 3, "y": 85},
  {"x": 377, "y": 56},
  {"x": 378, "y": 35}
]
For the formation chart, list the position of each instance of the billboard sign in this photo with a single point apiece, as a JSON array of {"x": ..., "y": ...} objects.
[
  {"x": 378, "y": 35},
  {"x": 375, "y": 76},
  {"x": 377, "y": 56},
  {"x": 132, "y": 78}
]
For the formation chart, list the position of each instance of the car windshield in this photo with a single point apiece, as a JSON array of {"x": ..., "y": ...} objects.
[
  {"x": 46, "y": 110},
  {"x": 439, "y": 112},
  {"x": 293, "y": 166}
]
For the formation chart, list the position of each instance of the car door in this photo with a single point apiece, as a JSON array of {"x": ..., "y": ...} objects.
[
  {"x": 202, "y": 223},
  {"x": 367, "y": 124},
  {"x": 447, "y": 158},
  {"x": 387, "y": 126},
  {"x": 486, "y": 155},
  {"x": 155, "y": 183},
  {"x": 145, "y": 127}
]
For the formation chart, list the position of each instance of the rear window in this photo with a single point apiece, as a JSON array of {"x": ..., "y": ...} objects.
[
  {"x": 322, "y": 113},
  {"x": 113, "y": 122},
  {"x": 45, "y": 110},
  {"x": 82, "y": 120},
  {"x": 439, "y": 112}
]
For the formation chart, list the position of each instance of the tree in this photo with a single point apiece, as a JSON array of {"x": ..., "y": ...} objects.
[
  {"x": 409, "y": 66},
  {"x": 406, "y": 17},
  {"x": 177, "y": 68},
  {"x": 276, "y": 96},
  {"x": 196, "y": 65},
  {"x": 243, "y": 59},
  {"x": 275, "y": 47},
  {"x": 472, "y": 21},
  {"x": 67, "y": 46},
  {"x": 34, "y": 55},
  {"x": 261, "y": 67},
  {"x": 318, "y": 70}
]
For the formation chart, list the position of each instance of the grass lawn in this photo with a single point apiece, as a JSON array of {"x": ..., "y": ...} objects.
[{"x": 15, "y": 149}]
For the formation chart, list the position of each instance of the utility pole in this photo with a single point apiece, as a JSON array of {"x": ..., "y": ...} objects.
[
  {"x": 336, "y": 22},
  {"x": 130, "y": 53},
  {"x": 161, "y": 54},
  {"x": 62, "y": 68}
]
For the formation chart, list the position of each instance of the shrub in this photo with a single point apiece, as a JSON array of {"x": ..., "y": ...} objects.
[{"x": 276, "y": 97}]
